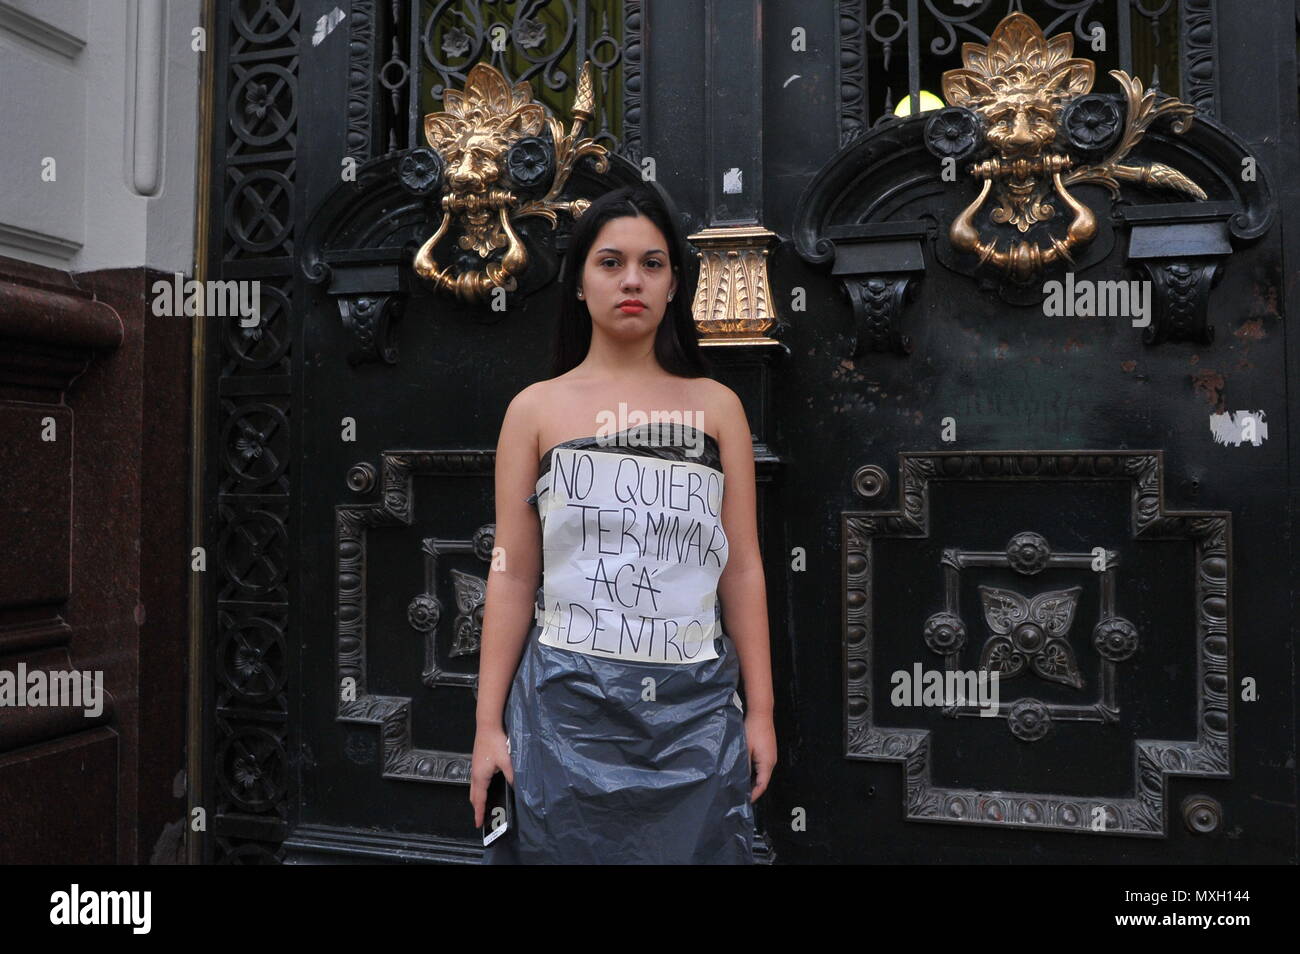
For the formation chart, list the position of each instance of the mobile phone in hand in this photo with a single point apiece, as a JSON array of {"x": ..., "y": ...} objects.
[{"x": 498, "y": 813}]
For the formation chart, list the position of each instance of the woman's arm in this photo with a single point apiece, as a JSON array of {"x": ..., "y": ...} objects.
[
  {"x": 516, "y": 560},
  {"x": 743, "y": 586}
]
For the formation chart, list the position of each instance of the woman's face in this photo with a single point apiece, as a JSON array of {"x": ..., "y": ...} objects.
[{"x": 628, "y": 261}]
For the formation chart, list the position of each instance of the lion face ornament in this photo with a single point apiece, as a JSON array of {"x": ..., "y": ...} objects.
[
  {"x": 489, "y": 139},
  {"x": 1023, "y": 98}
]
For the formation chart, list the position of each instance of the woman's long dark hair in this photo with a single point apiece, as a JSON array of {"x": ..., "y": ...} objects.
[{"x": 677, "y": 343}]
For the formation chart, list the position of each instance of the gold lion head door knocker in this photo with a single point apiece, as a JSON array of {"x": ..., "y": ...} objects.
[
  {"x": 1021, "y": 105},
  {"x": 498, "y": 168}
]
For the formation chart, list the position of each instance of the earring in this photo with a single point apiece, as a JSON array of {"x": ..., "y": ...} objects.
[{"x": 579, "y": 294}]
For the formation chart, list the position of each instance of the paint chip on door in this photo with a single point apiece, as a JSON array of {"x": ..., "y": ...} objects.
[
  {"x": 1246, "y": 427},
  {"x": 325, "y": 26}
]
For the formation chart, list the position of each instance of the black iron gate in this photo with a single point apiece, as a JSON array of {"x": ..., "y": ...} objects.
[{"x": 952, "y": 479}]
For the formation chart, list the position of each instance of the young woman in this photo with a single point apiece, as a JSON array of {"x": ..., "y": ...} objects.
[{"x": 621, "y": 731}]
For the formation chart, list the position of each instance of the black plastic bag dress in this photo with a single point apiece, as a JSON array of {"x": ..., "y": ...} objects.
[{"x": 627, "y": 736}]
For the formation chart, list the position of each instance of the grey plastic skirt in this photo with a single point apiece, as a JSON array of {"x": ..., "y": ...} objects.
[{"x": 619, "y": 762}]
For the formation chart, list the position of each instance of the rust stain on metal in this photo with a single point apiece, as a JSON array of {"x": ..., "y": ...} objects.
[
  {"x": 1249, "y": 332},
  {"x": 1266, "y": 298},
  {"x": 1128, "y": 366},
  {"x": 1251, "y": 329},
  {"x": 847, "y": 370},
  {"x": 1210, "y": 384}
]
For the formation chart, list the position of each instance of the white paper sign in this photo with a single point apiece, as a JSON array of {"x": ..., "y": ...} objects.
[{"x": 632, "y": 550}]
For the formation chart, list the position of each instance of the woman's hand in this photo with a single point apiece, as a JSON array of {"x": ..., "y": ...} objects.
[
  {"x": 760, "y": 734},
  {"x": 491, "y": 752}
]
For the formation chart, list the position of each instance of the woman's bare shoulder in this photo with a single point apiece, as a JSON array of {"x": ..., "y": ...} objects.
[
  {"x": 528, "y": 411},
  {"x": 536, "y": 400},
  {"x": 718, "y": 402},
  {"x": 725, "y": 418}
]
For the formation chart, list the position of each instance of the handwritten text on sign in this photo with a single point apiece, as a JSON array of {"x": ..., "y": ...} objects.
[{"x": 632, "y": 550}]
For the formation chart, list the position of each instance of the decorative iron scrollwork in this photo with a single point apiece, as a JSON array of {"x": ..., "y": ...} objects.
[
  {"x": 425, "y": 609},
  {"x": 869, "y": 215},
  {"x": 878, "y": 302},
  {"x": 871, "y": 481},
  {"x": 497, "y": 148},
  {"x": 420, "y": 171},
  {"x": 1030, "y": 632},
  {"x": 1202, "y": 815},
  {"x": 371, "y": 318},
  {"x": 399, "y": 756},
  {"x": 1029, "y": 720},
  {"x": 1182, "y": 287},
  {"x": 1207, "y": 753}
]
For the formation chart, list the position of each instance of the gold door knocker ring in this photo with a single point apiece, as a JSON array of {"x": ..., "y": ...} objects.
[{"x": 1023, "y": 260}]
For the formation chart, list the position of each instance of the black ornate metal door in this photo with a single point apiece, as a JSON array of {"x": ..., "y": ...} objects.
[
  {"x": 352, "y": 427},
  {"x": 963, "y": 468},
  {"x": 1078, "y": 499}
]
